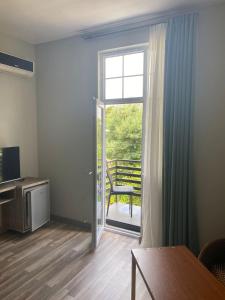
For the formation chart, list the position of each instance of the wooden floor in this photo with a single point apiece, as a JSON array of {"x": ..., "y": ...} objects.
[{"x": 53, "y": 263}]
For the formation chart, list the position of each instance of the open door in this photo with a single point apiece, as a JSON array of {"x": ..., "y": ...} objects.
[{"x": 100, "y": 174}]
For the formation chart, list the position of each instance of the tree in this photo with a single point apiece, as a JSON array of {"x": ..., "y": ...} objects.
[{"x": 124, "y": 131}]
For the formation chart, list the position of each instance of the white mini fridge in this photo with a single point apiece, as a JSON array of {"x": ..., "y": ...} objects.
[{"x": 39, "y": 212}]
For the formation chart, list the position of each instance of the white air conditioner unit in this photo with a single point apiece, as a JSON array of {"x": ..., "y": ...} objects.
[{"x": 19, "y": 66}]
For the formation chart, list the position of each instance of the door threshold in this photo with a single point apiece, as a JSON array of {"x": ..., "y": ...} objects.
[
  {"x": 123, "y": 225},
  {"x": 122, "y": 231}
]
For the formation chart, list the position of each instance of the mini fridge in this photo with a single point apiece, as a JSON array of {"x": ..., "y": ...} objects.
[{"x": 38, "y": 210}]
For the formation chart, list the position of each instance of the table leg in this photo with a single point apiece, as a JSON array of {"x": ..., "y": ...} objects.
[{"x": 133, "y": 279}]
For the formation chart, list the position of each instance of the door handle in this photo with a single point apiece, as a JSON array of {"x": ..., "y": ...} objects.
[
  {"x": 90, "y": 173},
  {"x": 28, "y": 210}
]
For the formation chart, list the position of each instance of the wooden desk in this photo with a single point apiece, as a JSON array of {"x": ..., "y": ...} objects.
[
  {"x": 14, "y": 204},
  {"x": 174, "y": 273}
]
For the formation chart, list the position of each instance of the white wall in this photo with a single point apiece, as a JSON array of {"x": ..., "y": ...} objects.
[
  {"x": 18, "y": 111},
  {"x": 210, "y": 124},
  {"x": 67, "y": 81}
]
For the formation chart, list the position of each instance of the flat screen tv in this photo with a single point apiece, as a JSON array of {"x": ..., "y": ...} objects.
[{"x": 9, "y": 164}]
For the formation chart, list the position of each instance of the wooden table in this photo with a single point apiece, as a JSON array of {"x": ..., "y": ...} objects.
[{"x": 174, "y": 273}]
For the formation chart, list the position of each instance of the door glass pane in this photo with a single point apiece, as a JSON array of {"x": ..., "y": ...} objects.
[
  {"x": 133, "y": 87},
  {"x": 113, "y": 67},
  {"x": 113, "y": 88},
  {"x": 134, "y": 64}
]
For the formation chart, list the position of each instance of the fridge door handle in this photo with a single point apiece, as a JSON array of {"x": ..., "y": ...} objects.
[{"x": 27, "y": 210}]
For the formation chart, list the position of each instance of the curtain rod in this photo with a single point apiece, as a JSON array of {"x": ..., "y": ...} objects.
[{"x": 130, "y": 24}]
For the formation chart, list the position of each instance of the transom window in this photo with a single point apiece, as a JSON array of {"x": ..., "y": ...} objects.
[{"x": 123, "y": 76}]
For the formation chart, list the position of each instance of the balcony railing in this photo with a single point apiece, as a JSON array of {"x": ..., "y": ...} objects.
[{"x": 125, "y": 172}]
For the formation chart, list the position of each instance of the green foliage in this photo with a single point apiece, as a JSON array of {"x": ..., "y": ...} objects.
[
  {"x": 124, "y": 138},
  {"x": 124, "y": 131}
]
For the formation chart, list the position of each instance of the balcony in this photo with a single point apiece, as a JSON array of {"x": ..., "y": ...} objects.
[{"x": 124, "y": 172}]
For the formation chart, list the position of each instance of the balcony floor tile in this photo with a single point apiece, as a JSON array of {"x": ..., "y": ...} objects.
[{"x": 120, "y": 212}]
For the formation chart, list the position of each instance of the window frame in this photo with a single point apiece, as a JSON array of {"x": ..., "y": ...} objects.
[{"x": 102, "y": 55}]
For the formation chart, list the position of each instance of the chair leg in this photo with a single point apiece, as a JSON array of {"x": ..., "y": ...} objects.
[
  {"x": 108, "y": 203},
  {"x": 131, "y": 206}
]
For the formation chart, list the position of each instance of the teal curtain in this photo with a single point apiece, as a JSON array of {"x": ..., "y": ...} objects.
[{"x": 178, "y": 203}]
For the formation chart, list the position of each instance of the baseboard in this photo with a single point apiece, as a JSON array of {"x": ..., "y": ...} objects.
[{"x": 76, "y": 223}]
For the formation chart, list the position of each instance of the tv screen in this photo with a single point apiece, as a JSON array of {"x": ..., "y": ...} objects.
[{"x": 9, "y": 164}]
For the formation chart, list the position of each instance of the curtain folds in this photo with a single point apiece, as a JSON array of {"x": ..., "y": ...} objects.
[
  {"x": 153, "y": 141},
  {"x": 178, "y": 206}
]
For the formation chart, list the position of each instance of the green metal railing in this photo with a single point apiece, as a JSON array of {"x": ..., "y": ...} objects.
[{"x": 125, "y": 172}]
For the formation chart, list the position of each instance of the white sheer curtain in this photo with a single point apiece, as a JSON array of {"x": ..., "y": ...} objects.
[{"x": 153, "y": 141}]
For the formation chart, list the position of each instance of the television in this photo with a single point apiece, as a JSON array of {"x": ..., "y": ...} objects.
[{"x": 9, "y": 164}]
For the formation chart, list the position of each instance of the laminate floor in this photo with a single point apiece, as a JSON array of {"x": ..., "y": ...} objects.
[{"x": 54, "y": 263}]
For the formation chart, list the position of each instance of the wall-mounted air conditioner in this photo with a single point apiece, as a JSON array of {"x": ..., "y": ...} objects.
[{"x": 19, "y": 66}]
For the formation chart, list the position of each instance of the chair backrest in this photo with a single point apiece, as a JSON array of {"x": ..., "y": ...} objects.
[
  {"x": 213, "y": 253},
  {"x": 109, "y": 175}
]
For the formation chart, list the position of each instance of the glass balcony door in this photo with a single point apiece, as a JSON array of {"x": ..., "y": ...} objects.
[{"x": 99, "y": 211}]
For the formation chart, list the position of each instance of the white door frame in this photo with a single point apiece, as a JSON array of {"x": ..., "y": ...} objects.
[{"x": 101, "y": 66}]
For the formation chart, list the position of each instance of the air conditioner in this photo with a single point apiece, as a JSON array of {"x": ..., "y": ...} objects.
[{"x": 16, "y": 65}]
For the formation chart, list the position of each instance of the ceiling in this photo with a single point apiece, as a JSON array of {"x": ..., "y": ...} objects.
[{"x": 37, "y": 21}]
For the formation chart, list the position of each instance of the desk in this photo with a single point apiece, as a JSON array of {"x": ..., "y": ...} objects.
[
  {"x": 173, "y": 273},
  {"x": 7, "y": 193},
  {"x": 14, "y": 205}
]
